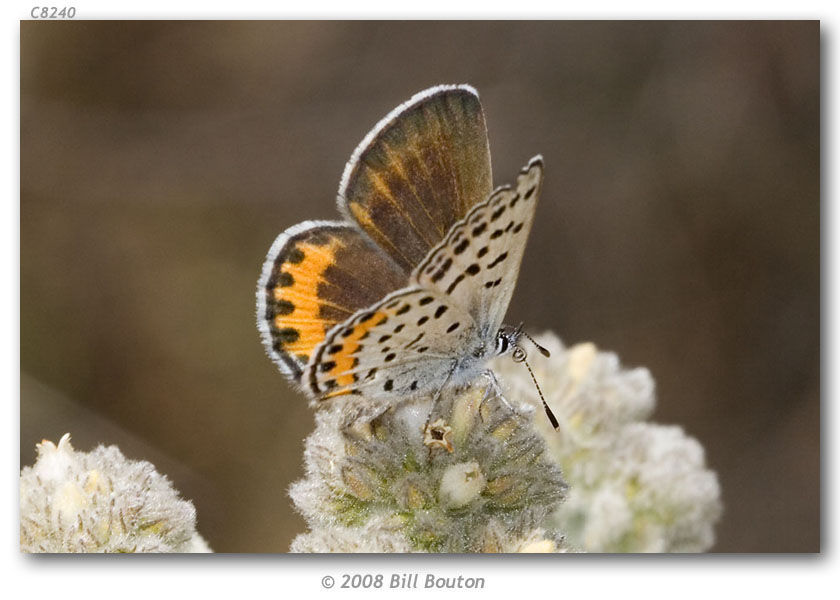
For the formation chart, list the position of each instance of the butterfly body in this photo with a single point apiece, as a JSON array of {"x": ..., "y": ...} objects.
[{"x": 407, "y": 294}]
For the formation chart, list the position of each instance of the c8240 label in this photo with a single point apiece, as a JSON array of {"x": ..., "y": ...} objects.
[{"x": 52, "y": 12}]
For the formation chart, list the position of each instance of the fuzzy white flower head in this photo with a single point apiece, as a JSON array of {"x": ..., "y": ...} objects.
[
  {"x": 101, "y": 502},
  {"x": 633, "y": 486},
  {"x": 385, "y": 534},
  {"x": 589, "y": 392},
  {"x": 473, "y": 477},
  {"x": 537, "y": 541},
  {"x": 650, "y": 493},
  {"x": 379, "y": 534}
]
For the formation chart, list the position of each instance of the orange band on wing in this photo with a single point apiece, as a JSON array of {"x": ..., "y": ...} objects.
[
  {"x": 340, "y": 356},
  {"x": 301, "y": 294}
]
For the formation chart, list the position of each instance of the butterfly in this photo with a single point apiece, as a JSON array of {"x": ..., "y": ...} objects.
[{"x": 407, "y": 293}]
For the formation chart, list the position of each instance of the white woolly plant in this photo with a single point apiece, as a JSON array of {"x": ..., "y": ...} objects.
[
  {"x": 473, "y": 477},
  {"x": 73, "y": 501},
  {"x": 488, "y": 473},
  {"x": 634, "y": 486}
]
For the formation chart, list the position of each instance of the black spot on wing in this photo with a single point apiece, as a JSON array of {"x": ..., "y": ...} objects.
[
  {"x": 497, "y": 260},
  {"x": 295, "y": 256},
  {"x": 455, "y": 283},
  {"x": 415, "y": 340},
  {"x": 281, "y": 307},
  {"x": 288, "y": 335},
  {"x": 442, "y": 271},
  {"x": 478, "y": 230}
]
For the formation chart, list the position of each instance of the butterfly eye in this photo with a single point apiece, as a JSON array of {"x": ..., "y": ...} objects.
[{"x": 502, "y": 343}]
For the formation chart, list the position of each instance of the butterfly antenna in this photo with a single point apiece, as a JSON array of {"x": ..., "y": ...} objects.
[
  {"x": 519, "y": 355},
  {"x": 543, "y": 351}
]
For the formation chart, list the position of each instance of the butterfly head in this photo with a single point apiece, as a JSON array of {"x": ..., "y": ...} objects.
[{"x": 507, "y": 341}]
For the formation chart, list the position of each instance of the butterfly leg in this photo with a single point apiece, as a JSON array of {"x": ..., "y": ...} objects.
[
  {"x": 494, "y": 385},
  {"x": 438, "y": 395}
]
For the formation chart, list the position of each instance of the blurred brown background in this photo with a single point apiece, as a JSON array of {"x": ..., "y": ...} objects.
[{"x": 679, "y": 227}]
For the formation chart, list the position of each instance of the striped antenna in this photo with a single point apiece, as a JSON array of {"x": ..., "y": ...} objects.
[{"x": 519, "y": 355}]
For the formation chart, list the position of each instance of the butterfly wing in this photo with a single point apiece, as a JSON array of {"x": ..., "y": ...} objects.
[
  {"x": 477, "y": 264},
  {"x": 317, "y": 274},
  {"x": 417, "y": 337},
  {"x": 419, "y": 171},
  {"x": 406, "y": 344},
  {"x": 337, "y": 309}
]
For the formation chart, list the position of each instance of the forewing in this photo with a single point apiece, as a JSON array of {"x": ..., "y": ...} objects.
[
  {"x": 419, "y": 171},
  {"x": 477, "y": 264},
  {"x": 317, "y": 274},
  {"x": 404, "y": 345}
]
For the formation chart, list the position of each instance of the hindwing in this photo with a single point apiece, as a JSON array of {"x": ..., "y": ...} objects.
[
  {"x": 317, "y": 274},
  {"x": 404, "y": 345}
]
